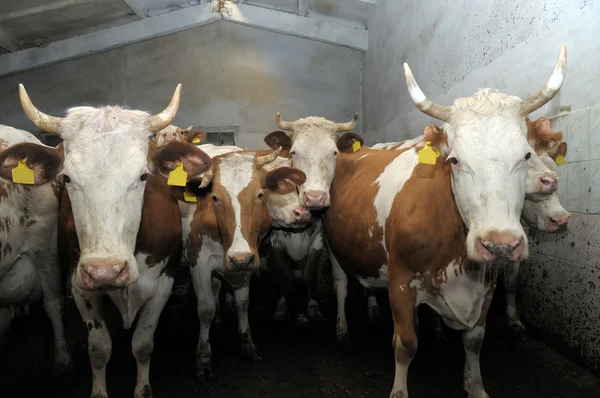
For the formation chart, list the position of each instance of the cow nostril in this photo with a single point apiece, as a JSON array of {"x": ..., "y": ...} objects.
[{"x": 546, "y": 181}]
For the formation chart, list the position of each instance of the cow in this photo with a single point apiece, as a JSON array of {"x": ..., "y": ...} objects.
[
  {"x": 541, "y": 208},
  {"x": 119, "y": 228},
  {"x": 222, "y": 228},
  {"x": 301, "y": 249},
  {"x": 436, "y": 224},
  {"x": 171, "y": 133},
  {"x": 29, "y": 267}
]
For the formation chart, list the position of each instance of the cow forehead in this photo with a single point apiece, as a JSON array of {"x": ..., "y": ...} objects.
[
  {"x": 314, "y": 124},
  {"x": 235, "y": 171}
]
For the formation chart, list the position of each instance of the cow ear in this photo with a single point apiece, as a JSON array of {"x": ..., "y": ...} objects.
[
  {"x": 347, "y": 141},
  {"x": 558, "y": 150},
  {"x": 284, "y": 180},
  {"x": 278, "y": 139},
  {"x": 194, "y": 161},
  {"x": 195, "y": 137},
  {"x": 43, "y": 161}
]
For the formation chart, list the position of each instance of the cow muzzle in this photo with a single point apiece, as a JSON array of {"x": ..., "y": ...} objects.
[
  {"x": 241, "y": 262},
  {"x": 559, "y": 223},
  {"x": 302, "y": 215},
  {"x": 98, "y": 274},
  {"x": 315, "y": 199},
  {"x": 500, "y": 246}
]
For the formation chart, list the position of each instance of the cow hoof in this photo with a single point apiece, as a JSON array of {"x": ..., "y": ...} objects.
[
  {"x": 144, "y": 392},
  {"x": 99, "y": 395},
  {"x": 518, "y": 332},
  {"x": 478, "y": 394},
  {"x": 398, "y": 394},
  {"x": 343, "y": 341},
  {"x": 204, "y": 371},
  {"x": 251, "y": 353},
  {"x": 64, "y": 376}
]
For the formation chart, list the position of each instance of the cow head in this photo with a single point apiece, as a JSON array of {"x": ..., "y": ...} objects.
[
  {"x": 485, "y": 139},
  {"x": 104, "y": 171},
  {"x": 543, "y": 210},
  {"x": 283, "y": 202},
  {"x": 169, "y": 134},
  {"x": 313, "y": 145},
  {"x": 239, "y": 186}
]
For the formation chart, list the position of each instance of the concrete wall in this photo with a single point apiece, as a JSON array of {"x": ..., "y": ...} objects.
[
  {"x": 456, "y": 47},
  {"x": 453, "y": 49},
  {"x": 232, "y": 76}
]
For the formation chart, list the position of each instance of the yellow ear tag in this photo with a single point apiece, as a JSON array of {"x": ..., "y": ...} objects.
[
  {"x": 355, "y": 146},
  {"x": 428, "y": 155},
  {"x": 23, "y": 174},
  {"x": 189, "y": 196},
  {"x": 177, "y": 177},
  {"x": 560, "y": 159},
  {"x": 196, "y": 140}
]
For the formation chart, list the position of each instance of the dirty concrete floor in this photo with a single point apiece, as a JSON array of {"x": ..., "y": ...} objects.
[{"x": 295, "y": 363}]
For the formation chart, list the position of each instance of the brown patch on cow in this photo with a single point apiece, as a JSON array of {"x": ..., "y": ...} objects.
[
  {"x": 540, "y": 134},
  {"x": 194, "y": 160},
  {"x": 278, "y": 139},
  {"x": 345, "y": 142},
  {"x": 436, "y": 136},
  {"x": 44, "y": 161},
  {"x": 284, "y": 180},
  {"x": 558, "y": 150}
]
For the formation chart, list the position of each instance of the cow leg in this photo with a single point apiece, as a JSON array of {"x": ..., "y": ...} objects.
[
  {"x": 404, "y": 342},
  {"x": 5, "y": 322},
  {"x": 54, "y": 305},
  {"x": 472, "y": 341},
  {"x": 281, "y": 310},
  {"x": 89, "y": 305},
  {"x": 216, "y": 289},
  {"x": 340, "y": 284},
  {"x": 283, "y": 269},
  {"x": 373, "y": 308},
  {"x": 242, "y": 303},
  {"x": 142, "y": 343},
  {"x": 511, "y": 273},
  {"x": 313, "y": 310},
  {"x": 202, "y": 281}
]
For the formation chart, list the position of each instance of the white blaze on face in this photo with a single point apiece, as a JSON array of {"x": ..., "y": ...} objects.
[
  {"x": 105, "y": 156},
  {"x": 314, "y": 151},
  {"x": 236, "y": 171},
  {"x": 487, "y": 138}
]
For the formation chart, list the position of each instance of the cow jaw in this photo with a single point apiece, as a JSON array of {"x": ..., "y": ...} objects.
[{"x": 547, "y": 215}]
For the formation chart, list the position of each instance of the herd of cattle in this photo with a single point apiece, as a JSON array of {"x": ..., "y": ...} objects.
[{"x": 127, "y": 197}]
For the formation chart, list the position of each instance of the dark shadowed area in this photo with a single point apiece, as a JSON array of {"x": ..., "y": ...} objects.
[{"x": 295, "y": 363}]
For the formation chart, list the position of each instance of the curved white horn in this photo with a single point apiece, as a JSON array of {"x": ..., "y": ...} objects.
[
  {"x": 424, "y": 104},
  {"x": 347, "y": 126},
  {"x": 207, "y": 178},
  {"x": 49, "y": 124},
  {"x": 289, "y": 126},
  {"x": 163, "y": 119},
  {"x": 551, "y": 88},
  {"x": 266, "y": 159}
]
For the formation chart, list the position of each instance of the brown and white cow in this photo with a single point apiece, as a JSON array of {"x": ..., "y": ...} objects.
[
  {"x": 119, "y": 221},
  {"x": 437, "y": 233},
  {"x": 297, "y": 250},
  {"x": 222, "y": 230},
  {"x": 173, "y": 133},
  {"x": 29, "y": 267}
]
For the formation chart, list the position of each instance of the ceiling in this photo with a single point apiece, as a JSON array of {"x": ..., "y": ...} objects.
[{"x": 36, "y": 23}]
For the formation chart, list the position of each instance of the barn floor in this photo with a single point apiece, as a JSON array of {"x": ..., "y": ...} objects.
[{"x": 295, "y": 363}]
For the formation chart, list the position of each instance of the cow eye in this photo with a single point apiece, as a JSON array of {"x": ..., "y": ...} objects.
[
  {"x": 454, "y": 161},
  {"x": 143, "y": 177},
  {"x": 528, "y": 156},
  {"x": 335, "y": 153},
  {"x": 292, "y": 153},
  {"x": 66, "y": 178},
  {"x": 260, "y": 195},
  {"x": 214, "y": 198}
]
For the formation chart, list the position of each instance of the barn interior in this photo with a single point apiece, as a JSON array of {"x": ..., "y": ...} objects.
[{"x": 241, "y": 62}]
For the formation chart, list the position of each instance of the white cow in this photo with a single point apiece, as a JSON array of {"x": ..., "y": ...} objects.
[{"x": 29, "y": 267}]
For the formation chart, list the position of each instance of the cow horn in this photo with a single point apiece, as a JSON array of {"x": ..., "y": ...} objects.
[
  {"x": 49, "y": 124},
  {"x": 289, "y": 126},
  {"x": 347, "y": 126},
  {"x": 163, "y": 119},
  {"x": 424, "y": 104},
  {"x": 551, "y": 88},
  {"x": 265, "y": 159},
  {"x": 207, "y": 178},
  {"x": 187, "y": 129}
]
